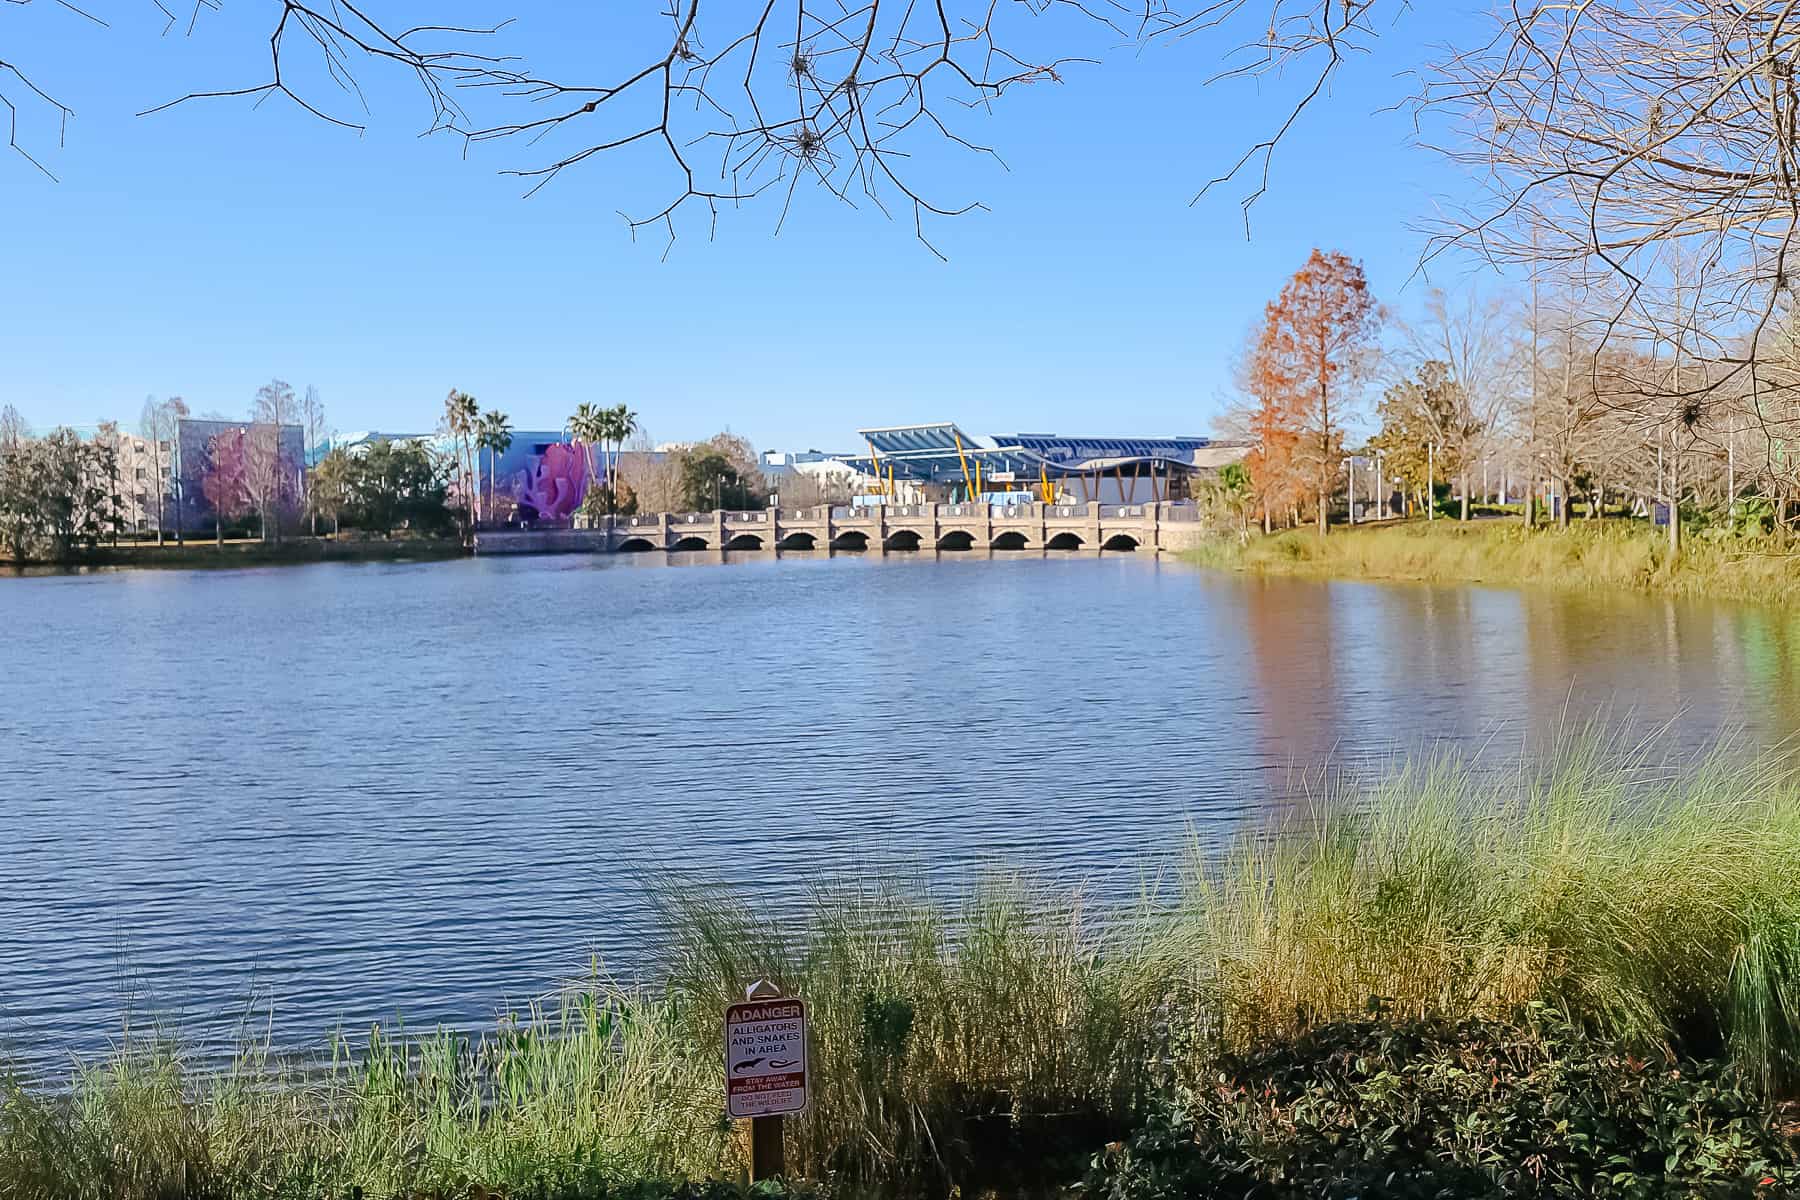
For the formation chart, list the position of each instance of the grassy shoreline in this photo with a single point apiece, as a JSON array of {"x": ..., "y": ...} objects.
[
  {"x": 1612, "y": 554},
  {"x": 201, "y": 554},
  {"x": 1613, "y": 940}
]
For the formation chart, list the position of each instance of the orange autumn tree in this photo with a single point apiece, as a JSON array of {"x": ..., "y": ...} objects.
[
  {"x": 1319, "y": 339},
  {"x": 1268, "y": 422}
]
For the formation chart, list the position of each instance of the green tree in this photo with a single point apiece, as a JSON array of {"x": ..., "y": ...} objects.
[
  {"x": 399, "y": 484},
  {"x": 55, "y": 493},
  {"x": 1226, "y": 499},
  {"x": 460, "y": 416},
  {"x": 710, "y": 480},
  {"x": 614, "y": 425},
  {"x": 1421, "y": 428},
  {"x": 331, "y": 488},
  {"x": 493, "y": 433},
  {"x": 587, "y": 425}
]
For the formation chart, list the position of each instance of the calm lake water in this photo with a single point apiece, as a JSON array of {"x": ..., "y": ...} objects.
[{"x": 347, "y": 791}]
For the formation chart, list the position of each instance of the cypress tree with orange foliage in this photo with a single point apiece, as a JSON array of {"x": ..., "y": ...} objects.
[
  {"x": 1272, "y": 427},
  {"x": 1317, "y": 346}
]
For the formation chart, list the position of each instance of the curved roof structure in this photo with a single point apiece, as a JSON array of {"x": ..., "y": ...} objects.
[{"x": 942, "y": 452}]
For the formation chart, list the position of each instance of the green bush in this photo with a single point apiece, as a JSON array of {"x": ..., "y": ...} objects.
[{"x": 1469, "y": 1109}]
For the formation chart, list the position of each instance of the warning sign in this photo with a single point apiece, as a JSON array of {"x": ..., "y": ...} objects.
[{"x": 765, "y": 1058}]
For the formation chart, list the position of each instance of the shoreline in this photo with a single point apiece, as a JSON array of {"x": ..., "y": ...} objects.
[
  {"x": 1617, "y": 556},
  {"x": 202, "y": 555}
]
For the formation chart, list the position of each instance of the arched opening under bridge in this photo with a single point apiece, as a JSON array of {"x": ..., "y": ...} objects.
[
  {"x": 902, "y": 540},
  {"x": 957, "y": 539}
]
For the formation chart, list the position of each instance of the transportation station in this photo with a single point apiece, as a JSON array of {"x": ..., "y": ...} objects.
[{"x": 941, "y": 463}]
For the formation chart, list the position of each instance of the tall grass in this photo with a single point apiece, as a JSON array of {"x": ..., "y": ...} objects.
[
  {"x": 1656, "y": 905},
  {"x": 957, "y": 1041},
  {"x": 1609, "y": 554}
]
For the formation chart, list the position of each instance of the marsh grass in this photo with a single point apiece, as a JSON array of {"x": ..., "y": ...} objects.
[
  {"x": 1654, "y": 904},
  {"x": 995, "y": 1036},
  {"x": 1608, "y": 554}
]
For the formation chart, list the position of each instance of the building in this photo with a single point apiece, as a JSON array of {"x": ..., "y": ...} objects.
[
  {"x": 940, "y": 462},
  {"x": 195, "y": 440},
  {"x": 142, "y": 480},
  {"x": 146, "y": 472},
  {"x": 798, "y": 478}
]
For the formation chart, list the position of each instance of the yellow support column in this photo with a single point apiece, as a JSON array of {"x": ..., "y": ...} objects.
[{"x": 968, "y": 484}]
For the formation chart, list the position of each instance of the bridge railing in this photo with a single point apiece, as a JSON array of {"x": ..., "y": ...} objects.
[
  {"x": 1121, "y": 510},
  {"x": 1181, "y": 511},
  {"x": 690, "y": 518},
  {"x": 1065, "y": 510},
  {"x": 959, "y": 510},
  {"x": 747, "y": 518},
  {"x": 641, "y": 521}
]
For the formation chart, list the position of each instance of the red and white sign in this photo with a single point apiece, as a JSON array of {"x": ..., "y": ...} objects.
[{"x": 765, "y": 1058}]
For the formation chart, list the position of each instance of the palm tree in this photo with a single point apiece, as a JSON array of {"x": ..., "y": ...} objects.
[
  {"x": 618, "y": 423},
  {"x": 586, "y": 427},
  {"x": 493, "y": 433},
  {"x": 460, "y": 415}
]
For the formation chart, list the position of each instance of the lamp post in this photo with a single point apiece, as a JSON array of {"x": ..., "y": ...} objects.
[{"x": 1430, "y": 481}]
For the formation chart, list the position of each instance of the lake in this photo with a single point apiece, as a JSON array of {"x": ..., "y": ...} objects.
[{"x": 347, "y": 791}]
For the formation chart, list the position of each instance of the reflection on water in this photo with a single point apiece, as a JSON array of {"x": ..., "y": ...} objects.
[{"x": 352, "y": 789}]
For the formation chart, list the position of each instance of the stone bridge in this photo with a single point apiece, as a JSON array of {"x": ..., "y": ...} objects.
[{"x": 881, "y": 528}]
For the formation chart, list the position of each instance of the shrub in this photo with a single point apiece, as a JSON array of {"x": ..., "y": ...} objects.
[{"x": 1462, "y": 1110}]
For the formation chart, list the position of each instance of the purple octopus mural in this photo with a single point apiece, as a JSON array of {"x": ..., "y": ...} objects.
[{"x": 552, "y": 486}]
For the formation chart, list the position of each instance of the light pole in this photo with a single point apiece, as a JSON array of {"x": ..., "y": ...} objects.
[
  {"x": 1430, "y": 481},
  {"x": 1350, "y": 471}
]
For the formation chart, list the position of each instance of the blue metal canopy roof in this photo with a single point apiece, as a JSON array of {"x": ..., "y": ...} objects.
[{"x": 941, "y": 453}]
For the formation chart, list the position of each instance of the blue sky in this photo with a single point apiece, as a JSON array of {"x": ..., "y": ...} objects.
[{"x": 204, "y": 250}]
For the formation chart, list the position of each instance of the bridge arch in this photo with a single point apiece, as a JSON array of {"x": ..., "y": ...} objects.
[
  {"x": 744, "y": 541},
  {"x": 957, "y": 539},
  {"x": 636, "y": 545},
  {"x": 1012, "y": 539},
  {"x": 1063, "y": 541},
  {"x": 903, "y": 540},
  {"x": 1120, "y": 541},
  {"x": 798, "y": 541},
  {"x": 691, "y": 541},
  {"x": 851, "y": 539}
]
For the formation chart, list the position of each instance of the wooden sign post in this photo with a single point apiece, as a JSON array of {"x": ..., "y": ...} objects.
[{"x": 765, "y": 1070}]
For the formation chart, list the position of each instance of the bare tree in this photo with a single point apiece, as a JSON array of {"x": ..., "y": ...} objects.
[
  {"x": 737, "y": 102},
  {"x": 13, "y": 429},
  {"x": 1476, "y": 337},
  {"x": 1649, "y": 144},
  {"x": 271, "y": 474},
  {"x": 314, "y": 435},
  {"x": 159, "y": 424}
]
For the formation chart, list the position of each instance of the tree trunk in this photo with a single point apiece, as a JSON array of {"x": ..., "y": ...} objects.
[
  {"x": 1674, "y": 500},
  {"x": 1465, "y": 494},
  {"x": 1268, "y": 525}
]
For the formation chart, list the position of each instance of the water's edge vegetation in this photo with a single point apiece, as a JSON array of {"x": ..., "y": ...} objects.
[
  {"x": 1605, "y": 554},
  {"x": 1579, "y": 976}
]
